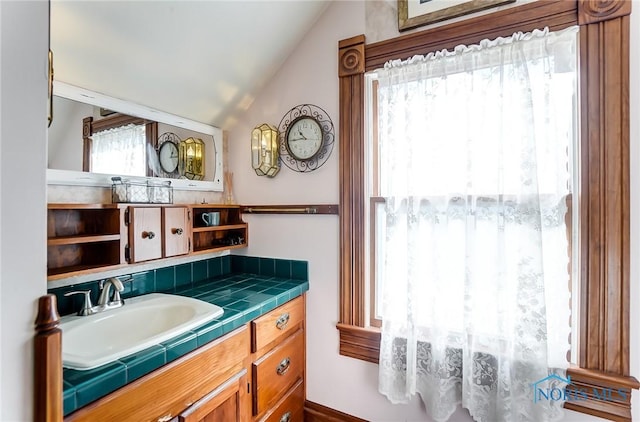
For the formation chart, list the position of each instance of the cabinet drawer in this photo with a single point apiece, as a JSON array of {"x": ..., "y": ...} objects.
[
  {"x": 277, "y": 371},
  {"x": 277, "y": 324},
  {"x": 290, "y": 408}
]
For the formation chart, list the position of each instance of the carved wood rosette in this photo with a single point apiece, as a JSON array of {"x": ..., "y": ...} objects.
[{"x": 593, "y": 11}]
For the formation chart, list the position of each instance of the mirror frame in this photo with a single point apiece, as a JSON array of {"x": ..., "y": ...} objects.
[{"x": 81, "y": 178}]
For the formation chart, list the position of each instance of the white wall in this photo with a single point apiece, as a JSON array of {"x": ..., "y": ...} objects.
[
  {"x": 310, "y": 76},
  {"x": 23, "y": 110}
]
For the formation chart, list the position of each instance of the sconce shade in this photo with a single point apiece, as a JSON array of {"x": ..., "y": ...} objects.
[
  {"x": 264, "y": 150},
  {"x": 191, "y": 158}
]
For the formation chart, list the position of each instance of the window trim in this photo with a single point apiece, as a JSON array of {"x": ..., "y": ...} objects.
[{"x": 604, "y": 192}]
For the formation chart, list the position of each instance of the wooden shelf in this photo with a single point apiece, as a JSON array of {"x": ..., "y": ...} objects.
[
  {"x": 219, "y": 228},
  {"x": 218, "y": 248},
  {"x": 64, "y": 272},
  {"x": 73, "y": 240}
]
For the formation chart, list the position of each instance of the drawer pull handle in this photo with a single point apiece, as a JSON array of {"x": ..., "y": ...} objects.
[
  {"x": 148, "y": 235},
  {"x": 283, "y": 367},
  {"x": 282, "y": 322},
  {"x": 178, "y": 231},
  {"x": 166, "y": 418},
  {"x": 286, "y": 417}
]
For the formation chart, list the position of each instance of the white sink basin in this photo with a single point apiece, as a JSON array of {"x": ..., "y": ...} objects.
[{"x": 91, "y": 341}]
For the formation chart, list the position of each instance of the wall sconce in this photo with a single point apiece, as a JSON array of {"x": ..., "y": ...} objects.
[
  {"x": 265, "y": 150},
  {"x": 191, "y": 158}
]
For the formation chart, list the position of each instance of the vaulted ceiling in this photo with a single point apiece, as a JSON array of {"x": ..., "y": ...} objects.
[{"x": 204, "y": 60}]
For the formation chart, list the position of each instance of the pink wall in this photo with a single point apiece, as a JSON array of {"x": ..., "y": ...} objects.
[{"x": 310, "y": 76}]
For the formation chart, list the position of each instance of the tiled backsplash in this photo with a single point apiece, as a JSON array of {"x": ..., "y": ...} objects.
[{"x": 168, "y": 279}]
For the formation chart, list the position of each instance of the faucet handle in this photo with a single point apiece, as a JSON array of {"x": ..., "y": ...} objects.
[{"x": 87, "y": 306}]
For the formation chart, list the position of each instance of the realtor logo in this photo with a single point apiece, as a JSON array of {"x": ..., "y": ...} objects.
[{"x": 555, "y": 388}]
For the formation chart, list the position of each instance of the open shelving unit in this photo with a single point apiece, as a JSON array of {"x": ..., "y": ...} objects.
[
  {"x": 83, "y": 237},
  {"x": 231, "y": 233}
]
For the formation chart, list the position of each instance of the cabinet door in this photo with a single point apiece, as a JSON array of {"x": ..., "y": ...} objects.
[
  {"x": 175, "y": 231},
  {"x": 227, "y": 403},
  {"x": 145, "y": 235}
]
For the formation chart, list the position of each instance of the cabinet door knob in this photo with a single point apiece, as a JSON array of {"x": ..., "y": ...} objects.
[
  {"x": 284, "y": 366},
  {"x": 286, "y": 417},
  {"x": 148, "y": 235},
  {"x": 282, "y": 322},
  {"x": 178, "y": 231}
]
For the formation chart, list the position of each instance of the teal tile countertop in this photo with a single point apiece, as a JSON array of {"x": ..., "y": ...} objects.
[{"x": 243, "y": 296}]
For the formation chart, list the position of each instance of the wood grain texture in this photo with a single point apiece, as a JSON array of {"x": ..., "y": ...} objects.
[
  {"x": 264, "y": 330},
  {"x": 175, "y": 231},
  {"x": 227, "y": 403},
  {"x": 291, "y": 404},
  {"x": 174, "y": 387},
  {"x": 360, "y": 343},
  {"x": 47, "y": 362},
  {"x": 593, "y": 11},
  {"x": 278, "y": 370},
  {"x": 352, "y": 200},
  {"x": 145, "y": 233},
  {"x": 314, "y": 412}
]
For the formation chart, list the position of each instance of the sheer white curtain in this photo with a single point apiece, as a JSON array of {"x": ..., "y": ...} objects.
[
  {"x": 476, "y": 151},
  {"x": 119, "y": 151}
]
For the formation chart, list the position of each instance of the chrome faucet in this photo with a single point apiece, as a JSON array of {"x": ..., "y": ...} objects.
[{"x": 105, "y": 301}]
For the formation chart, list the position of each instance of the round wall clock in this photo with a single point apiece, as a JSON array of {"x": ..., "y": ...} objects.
[
  {"x": 168, "y": 154},
  {"x": 306, "y": 138}
]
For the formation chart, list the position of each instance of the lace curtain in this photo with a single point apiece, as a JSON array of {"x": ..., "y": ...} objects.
[
  {"x": 476, "y": 150},
  {"x": 119, "y": 151}
]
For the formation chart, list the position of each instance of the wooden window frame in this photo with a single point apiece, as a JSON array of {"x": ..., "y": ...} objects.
[
  {"x": 89, "y": 127},
  {"x": 603, "y": 199}
]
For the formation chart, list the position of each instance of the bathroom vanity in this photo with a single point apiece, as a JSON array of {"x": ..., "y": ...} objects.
[{"x": 247, "y": 365}]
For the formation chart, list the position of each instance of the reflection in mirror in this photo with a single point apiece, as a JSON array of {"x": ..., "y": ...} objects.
[{"x": 101, "y": 136}]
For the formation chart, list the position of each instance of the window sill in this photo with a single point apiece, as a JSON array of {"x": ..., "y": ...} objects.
[
  {"x": 613, "y": 403},
  {"x": 359, "y": 342}
]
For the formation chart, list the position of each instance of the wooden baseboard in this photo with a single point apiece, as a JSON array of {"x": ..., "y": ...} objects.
[{"x": 314, "y": 412}]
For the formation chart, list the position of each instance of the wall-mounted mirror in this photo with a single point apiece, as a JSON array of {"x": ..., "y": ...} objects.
[{"x": 127, "y": 140}]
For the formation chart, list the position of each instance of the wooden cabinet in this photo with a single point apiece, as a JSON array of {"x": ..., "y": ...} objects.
[
  {"x": 83, "y": 238},
  {"x": 145, "y": 233},
  {"x": 230, "y": 233},
  {"x": 175, "y": 231},
  {"x": 224, "y": 404},
  {"x": 278, "y": 363},
  {"x": 209, "y": 384},
  {"x": 226, "y": 380},
  {"x": 157, "y": 232}
]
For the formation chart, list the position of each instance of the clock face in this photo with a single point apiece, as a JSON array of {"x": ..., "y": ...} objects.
[
  {"x": 304, "y": 138},
  {"x": 168, "y": 156}
]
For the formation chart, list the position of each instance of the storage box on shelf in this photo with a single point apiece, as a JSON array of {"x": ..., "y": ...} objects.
[{"x": 230, "y": 233}]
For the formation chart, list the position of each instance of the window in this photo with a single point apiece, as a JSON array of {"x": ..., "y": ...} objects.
[
  {"x": 603, "y": 198},
  {"x": 475, "y": 157},
  {"x": 120, "y": 150},
  {"x": 118, "y": 144}
]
